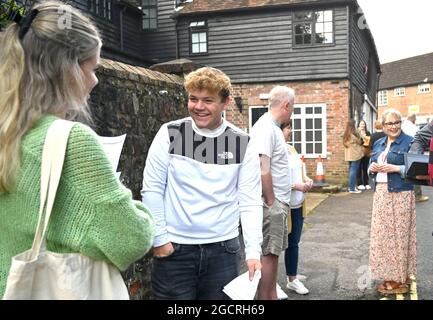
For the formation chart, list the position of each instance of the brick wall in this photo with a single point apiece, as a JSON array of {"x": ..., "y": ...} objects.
[
  {"x": 335, "y": 94},
  {"x": 412, "y": 97}
]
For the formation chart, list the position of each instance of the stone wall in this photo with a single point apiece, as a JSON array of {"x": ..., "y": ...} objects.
[{"x": 135, "y": 101}]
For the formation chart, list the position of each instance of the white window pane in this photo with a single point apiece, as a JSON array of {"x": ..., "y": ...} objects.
[
  {"x": 153, "y": 24},
  {"x": 146, "y": 24},
  {"x": 195, "y": 48},
  {"x": 152, "y": 13},
  {"x": 319, "y": 15},
  {"x": 194, "y": 37},
  {"x": 329, "y": 38},
  {"x": 193, "y": 24},
  {"x": 146, "y": 13},
  {"x": 200, "y": 24},
  {"x": 203, "y": 47},
  {"x": 203, "y": 37},
  {"x": 145, "y": 2},
  {"x": 319, "y": 27},
  {"x": 328, "y": 15},
  {"x": 328, "y": 27}
]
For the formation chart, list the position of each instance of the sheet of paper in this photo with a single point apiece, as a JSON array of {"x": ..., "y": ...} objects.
[
  {"x": 241, "y": 288},
  {"x": 113, "y": 148}
]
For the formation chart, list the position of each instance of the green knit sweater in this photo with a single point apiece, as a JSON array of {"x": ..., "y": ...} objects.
[{"x": 93, "y": 214}]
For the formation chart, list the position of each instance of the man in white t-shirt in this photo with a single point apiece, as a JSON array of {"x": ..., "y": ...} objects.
[
  {"x": 268, "y": 140},
  {"x": 201, "y": 177}
]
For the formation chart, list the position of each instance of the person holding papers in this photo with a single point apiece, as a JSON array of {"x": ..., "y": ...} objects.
[
  {"x": 48, "y": 72},
  {"x": 201, "y": 177},
  {"x": 393, "y": 222}
]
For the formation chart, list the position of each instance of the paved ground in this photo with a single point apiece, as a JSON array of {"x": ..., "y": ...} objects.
[{"x": 335, "y": 245}]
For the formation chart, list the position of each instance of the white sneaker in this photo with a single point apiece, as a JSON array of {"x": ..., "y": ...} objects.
[
  {"x": 281, "y": 294},
  {"x": 297, "y": 286},
  {"x": 361, "y": 187},
  {"x": 355, "y": 191},
  {"x": 367, "y": 187}
]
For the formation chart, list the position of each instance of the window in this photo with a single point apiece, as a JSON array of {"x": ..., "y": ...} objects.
[
  {"x": 313, "y": 27},
  {"x": 150, "y": 17},
  {"x": 101, "y": 8},
  {"x": 309, "y": 130},
  {"x": 198, "y": 36},
  {"x": 424, "y": 88},
  {"x": 255, "y": 113},
  {"x": 383, "y": 98},
  {"x": 180, "y": 2},
  {"x": 399, "y": 92}
]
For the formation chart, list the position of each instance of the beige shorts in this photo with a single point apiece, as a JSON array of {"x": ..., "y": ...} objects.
[{"x": 275, "y": 231}]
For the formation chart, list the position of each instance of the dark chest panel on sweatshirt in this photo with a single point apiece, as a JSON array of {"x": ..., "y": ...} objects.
[{"x": 227, "y": 148}]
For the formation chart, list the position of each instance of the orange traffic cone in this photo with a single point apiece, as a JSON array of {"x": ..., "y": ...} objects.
[
  {"x": 304, "y": 167},
  {"x": 319, "y": 180}
]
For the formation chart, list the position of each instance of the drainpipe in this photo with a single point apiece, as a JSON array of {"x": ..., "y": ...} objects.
[
  {"x": 177, "y": 37},
  {"x": 121, "y": 27}
]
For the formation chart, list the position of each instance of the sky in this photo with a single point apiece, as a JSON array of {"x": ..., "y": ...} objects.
[{"x": 401, "y": 28}]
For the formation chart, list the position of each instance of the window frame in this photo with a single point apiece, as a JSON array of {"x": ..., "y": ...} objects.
[
  {"x": 400, "y": 92},
  {"x": 424, "y": 85},
  {"x": 199, "y": 30},
  {"x": 94, "y": 6},
  {"x": 303, "y": 117},
  {"x": 380, "y": 98},
  {"x": 313, "y": 31},
  {"x": 150, "y": 19},
  {"x": 250, "y": 113}
]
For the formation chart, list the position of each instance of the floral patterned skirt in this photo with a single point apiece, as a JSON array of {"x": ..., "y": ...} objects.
[{"x": 393, "y": 235}]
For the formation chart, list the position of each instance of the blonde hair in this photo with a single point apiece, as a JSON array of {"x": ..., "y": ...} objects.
[
  {"x": 211, "y": 79},
  {"x": 388, "y": 112},
  {"x": 378, "y": 125},
  {"x": 41, "y": 74}
]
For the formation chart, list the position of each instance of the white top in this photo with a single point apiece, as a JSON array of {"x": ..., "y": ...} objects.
[
  {"x": 268, "y": 139},
  {"x": 296, "y": 172},
  {"x": 197, "y": 186},
  {"x": 409, "y": 128},
  {"x": 382, "y": 159}
]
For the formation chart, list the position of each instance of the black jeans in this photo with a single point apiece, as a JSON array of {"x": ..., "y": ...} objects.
[
  {"x": 362, "y": 175},
  {"x": 199, "y": 271}
]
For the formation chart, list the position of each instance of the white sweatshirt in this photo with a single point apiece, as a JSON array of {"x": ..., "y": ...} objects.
[{"x": 198, "y": 183}]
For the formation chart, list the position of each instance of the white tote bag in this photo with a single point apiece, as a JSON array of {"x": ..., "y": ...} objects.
[{"x": 38, "y": 274}]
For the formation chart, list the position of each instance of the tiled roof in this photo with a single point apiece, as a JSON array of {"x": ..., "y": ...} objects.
[
  {"x": 220, "y": 5},
  {"x": 408, "y": 71}
]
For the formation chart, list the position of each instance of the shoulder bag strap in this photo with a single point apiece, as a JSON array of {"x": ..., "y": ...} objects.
[{"x": 53, "y": 155}]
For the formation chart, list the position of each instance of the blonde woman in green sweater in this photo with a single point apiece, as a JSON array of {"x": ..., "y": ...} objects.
[{"x": 46, "y": 72}]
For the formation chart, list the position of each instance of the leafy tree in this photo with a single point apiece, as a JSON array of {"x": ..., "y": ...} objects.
[{"x": 7, "y": 7}]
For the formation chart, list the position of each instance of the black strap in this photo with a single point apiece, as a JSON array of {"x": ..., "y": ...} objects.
[{"x": 26, "y": 22}]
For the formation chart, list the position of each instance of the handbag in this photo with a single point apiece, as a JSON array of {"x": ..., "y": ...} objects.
[{"x": 39, "y": 274}]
